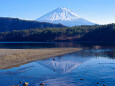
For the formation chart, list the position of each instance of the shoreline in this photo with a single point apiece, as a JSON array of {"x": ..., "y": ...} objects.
[{"x": 10, "y": 58}]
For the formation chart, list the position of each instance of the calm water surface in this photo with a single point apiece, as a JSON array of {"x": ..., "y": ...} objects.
[{"x": 84, "y": 68}]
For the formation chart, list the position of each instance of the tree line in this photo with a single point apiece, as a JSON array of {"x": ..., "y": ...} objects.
[{"x": 64, "y": 34}]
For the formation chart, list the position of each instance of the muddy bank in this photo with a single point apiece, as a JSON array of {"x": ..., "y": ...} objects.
[{"x": 13, "y": 57}]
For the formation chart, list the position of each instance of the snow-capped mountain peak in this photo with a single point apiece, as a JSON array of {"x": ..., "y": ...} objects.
[
  {"x": 64, "y": 16},
  {"x": 60, "y": 13}
]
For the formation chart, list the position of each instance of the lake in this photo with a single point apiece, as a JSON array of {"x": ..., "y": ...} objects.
[{"x": 93, "y": 66}]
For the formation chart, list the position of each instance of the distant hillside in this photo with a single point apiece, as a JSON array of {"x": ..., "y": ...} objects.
[
  {"x": 95, "y": 33},
  {"x": 47, "y": 34},
  {"x": 9, "y": 24},
  {"x": 104, "y": 34}
]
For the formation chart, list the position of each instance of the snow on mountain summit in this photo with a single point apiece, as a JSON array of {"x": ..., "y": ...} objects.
[
  {"x": 59, "y": 14},
  {"x": 64, "y": 16}
]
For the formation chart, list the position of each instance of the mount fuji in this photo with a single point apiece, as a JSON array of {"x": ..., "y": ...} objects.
[{"x": 64, "y": 16}]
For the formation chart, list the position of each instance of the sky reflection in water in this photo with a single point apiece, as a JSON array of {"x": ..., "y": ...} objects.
[{"x": 90, "y": 65}]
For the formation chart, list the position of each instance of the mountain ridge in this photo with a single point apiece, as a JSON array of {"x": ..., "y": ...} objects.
[{"x": 10, "y": 24}]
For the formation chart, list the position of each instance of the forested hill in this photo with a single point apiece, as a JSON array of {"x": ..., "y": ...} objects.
[
  {"x": 98, "y": 33},
  {"x": 104, "y": 34},
  {"x": 9, "y": 24}
]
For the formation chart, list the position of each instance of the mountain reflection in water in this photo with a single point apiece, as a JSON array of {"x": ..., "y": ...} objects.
[{"x": 63, "y": 64}]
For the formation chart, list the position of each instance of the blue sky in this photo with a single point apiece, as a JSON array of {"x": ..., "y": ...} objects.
[{"x": 98, "y": 11}]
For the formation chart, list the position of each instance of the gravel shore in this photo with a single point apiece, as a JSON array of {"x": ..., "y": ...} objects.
[{"x": 10, "y": 58}]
